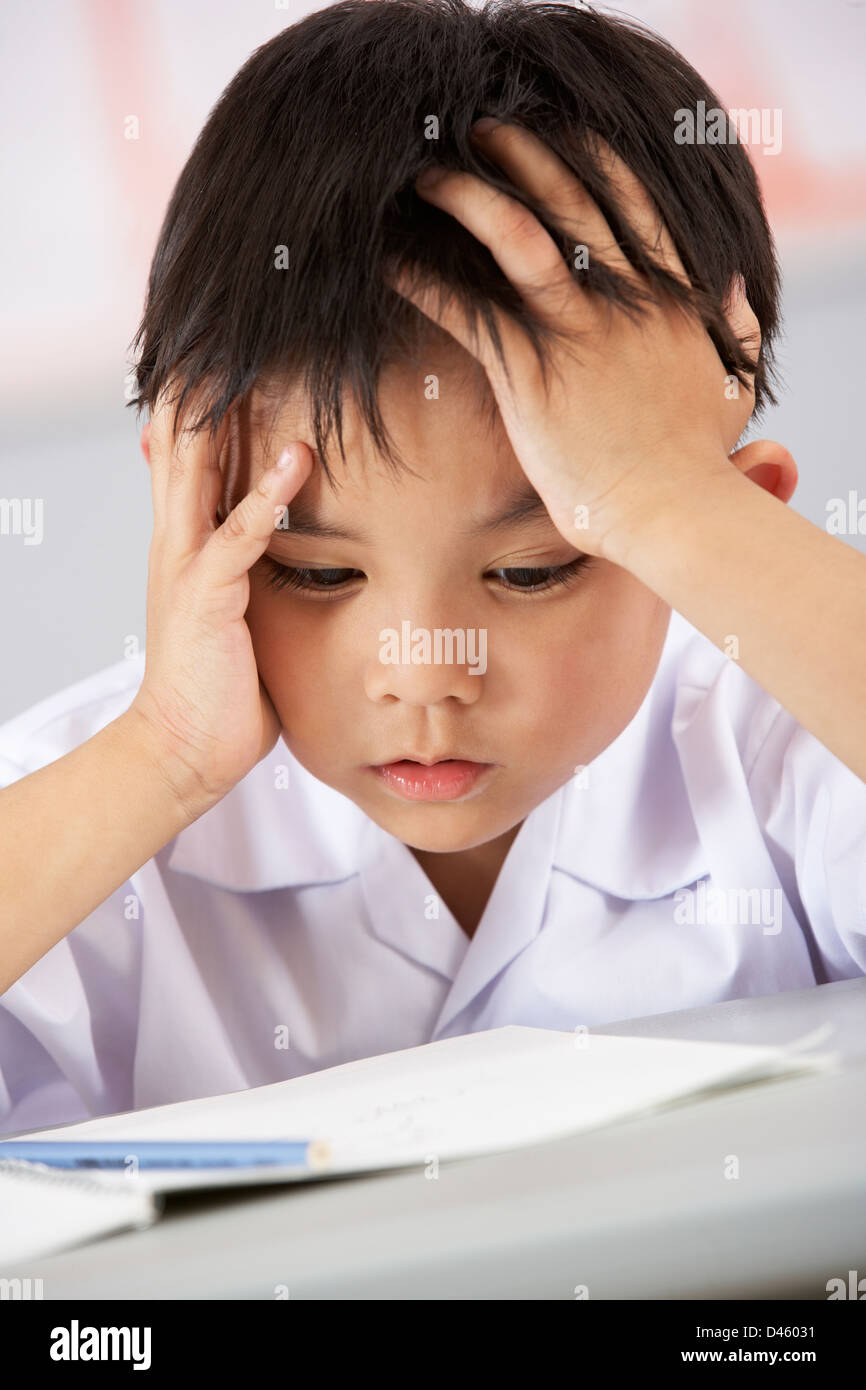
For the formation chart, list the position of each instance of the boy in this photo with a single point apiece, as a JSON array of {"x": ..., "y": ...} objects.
[{"x": 418, "y": 746}]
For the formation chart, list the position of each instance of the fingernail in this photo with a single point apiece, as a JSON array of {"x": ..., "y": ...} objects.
[
  {"x": 430, "y": 176},
  {"x": 484, "y": 125},
  {"x": 287, "y": 458}
]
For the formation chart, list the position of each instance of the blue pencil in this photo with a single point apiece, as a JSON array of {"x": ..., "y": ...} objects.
[{"x": 212, "y": 1153}]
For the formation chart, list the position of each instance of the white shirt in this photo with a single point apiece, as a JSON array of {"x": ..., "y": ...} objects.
[{"x": 284, "y": 931}]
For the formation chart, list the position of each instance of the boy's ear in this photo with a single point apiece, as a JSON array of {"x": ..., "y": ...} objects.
[
  {"x": 769, "y": 465},
  {"x": 741, "y": 316},
  {"x": 145, "y": 443}
]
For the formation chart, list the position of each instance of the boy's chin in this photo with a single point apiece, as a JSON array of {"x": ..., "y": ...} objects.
[{"x": 443, "y": 828}]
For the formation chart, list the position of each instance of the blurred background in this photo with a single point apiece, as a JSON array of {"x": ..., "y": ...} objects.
[{"x": 84, "y": 204}]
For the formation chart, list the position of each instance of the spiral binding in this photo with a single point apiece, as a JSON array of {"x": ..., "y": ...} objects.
[{"x": 60, "y": 1177}]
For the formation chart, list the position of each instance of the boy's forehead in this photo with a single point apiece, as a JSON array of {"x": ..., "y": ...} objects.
[
  {"x": 451, "y": 450},
  {"x": 437, "y": 358},
  {"x": 283, "y": 408},
  {"x": 278, "y": 418},
  {"x": 429, "y": 407}
]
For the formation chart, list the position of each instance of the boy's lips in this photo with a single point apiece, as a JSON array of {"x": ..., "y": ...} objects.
[{"x": 430, "y": 779}]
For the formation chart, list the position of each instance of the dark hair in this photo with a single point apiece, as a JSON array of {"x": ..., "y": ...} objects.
[{"x": 314, "y": 145}]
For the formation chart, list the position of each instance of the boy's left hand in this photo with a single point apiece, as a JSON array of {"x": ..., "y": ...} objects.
[{"x": 638, "y": 414}]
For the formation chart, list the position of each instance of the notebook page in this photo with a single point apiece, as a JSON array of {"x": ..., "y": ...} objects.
[{"x": 458, "y": 1097}]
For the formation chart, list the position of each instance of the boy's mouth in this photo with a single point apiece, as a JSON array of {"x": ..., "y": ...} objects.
[{"x": 438, "y": 779}]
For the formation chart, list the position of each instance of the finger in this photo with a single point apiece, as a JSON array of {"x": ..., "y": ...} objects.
[
  {"x": 248, "y": 529},
  {"x": 158, "y": 430},
  {"x": 444, "y": 308},
  {"x": 638, "y": 208},
  {"x": 185, "y": 478},
  {"x": 525, "y": 252},
  {"x": 156, "y": 488},
  {"x": 193, "y": 487},
  {"x": 534, "y": 167}
]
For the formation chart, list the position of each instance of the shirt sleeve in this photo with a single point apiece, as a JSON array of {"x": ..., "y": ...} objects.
[{"x": 813, "y": 812}]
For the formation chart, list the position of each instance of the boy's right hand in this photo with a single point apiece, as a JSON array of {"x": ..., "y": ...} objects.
[{"x": 202, "y": 706}]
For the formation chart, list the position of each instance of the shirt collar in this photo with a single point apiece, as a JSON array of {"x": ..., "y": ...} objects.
[
  {"x": 279, "y": 827},
  {"x": 630, "y": 829},
  {"x": 625, "y": 826}
]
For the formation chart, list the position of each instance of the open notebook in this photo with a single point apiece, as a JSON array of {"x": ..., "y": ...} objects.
[{"x": 479, "y": 1093}]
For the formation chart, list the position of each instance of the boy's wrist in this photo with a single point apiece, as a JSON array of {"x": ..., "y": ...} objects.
[
  {"x": 181, "y": 792},
  {"x": 661, "y": 511}
]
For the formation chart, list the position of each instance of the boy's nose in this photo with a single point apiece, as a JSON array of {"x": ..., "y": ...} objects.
[{"x": 439, "y": 676}]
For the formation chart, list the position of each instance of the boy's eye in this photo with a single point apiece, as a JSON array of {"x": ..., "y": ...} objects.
[
  {"x": 318, "y": 581},
  {"x": 517, "y": 579},
  {"x": 541, "y": 577}
]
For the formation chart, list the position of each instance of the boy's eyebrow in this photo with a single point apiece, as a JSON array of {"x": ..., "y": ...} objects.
[
  {"x": 304, "y": 520},
  {"x": 522, "y": 504}
]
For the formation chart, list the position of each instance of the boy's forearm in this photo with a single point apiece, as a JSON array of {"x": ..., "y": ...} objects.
[
  {"x": 74, "y": 831},
  {"x": 778, "y": 594}
]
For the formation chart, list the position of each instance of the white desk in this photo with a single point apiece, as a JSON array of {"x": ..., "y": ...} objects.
[{"x": 637, "y": 1210}]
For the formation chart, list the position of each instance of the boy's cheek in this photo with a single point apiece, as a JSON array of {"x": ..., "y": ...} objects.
[
  {"x": 740, "y": 405},
  {"x": 744, "y": 324}
]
